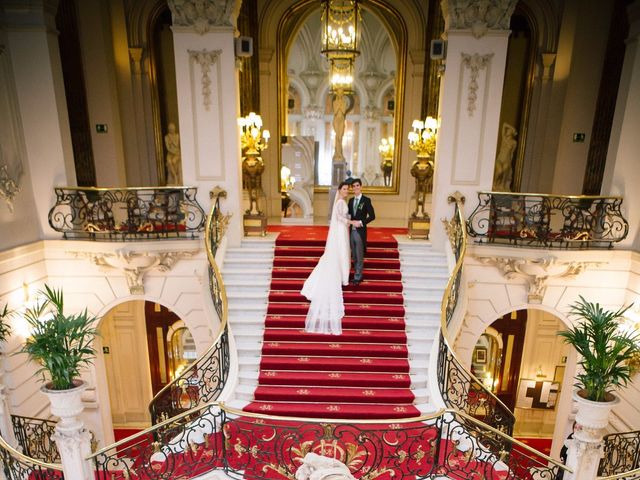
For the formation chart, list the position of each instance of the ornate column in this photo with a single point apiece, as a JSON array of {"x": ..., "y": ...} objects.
[
  {"x": 72, "y": 439},
  {"x": 586, "y": 447},
  {"x": 477, "y": 33},
  {"x": 208, "y": 106}
]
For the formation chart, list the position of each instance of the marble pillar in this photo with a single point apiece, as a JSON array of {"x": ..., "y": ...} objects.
[
  {"x": 208, "y": 101},
  {"x": 477, "y": 34}
]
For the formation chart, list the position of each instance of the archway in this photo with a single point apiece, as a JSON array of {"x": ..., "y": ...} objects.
[
  {"x": 143, "y": 346},
  {"x": 521, "y": 358}
]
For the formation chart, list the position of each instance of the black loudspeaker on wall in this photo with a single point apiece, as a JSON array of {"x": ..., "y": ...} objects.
[
  {"x": 438, "y": 49},
  {"x": 243, "y": 46}
]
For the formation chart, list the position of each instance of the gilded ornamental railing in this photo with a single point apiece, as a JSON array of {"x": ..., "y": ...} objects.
[
  {"x": 539, "y": 220},
  {"x": 459, "y": 388},
  {"x": 632, "y": 475},
  {"x": 204, "y": 379},
  {"x": 34, "y": 437},
  {"x": 621, "y": 453},
  {"x": 257, "y": 446},
  {"x": 17, "y": 466},
  {"x": 113, "y": 214},
  {"x": 185, "y": 446}
]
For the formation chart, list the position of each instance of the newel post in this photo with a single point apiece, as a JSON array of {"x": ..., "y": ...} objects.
[
  {"x": 586, "y": 448},
  {"x": 72, "y": 438}
]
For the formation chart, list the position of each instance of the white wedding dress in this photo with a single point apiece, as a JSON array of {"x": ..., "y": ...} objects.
[{"x": 324, "y": 286}]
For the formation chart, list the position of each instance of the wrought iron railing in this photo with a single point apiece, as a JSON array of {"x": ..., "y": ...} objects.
[
  {"x": 621, "y": 453},
  {"x": 539, "y": 220},
  {"x": 34, "y": 437},
  {"x": 459, "y": 388},
  {"x": 204, "y": 379},
  {"x": 257, "y": 446},
  {"x": 632, "y": 475},
  {"x": 127, "y": 213},
  {"x": 185, "y": 446},
  {"x": 17, "y": 466}
]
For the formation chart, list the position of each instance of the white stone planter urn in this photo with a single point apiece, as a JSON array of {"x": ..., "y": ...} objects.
[
  {"x": 66, "y": 404},
  {"x": 592, "y": 415},
  {"x": 72, "y": 439}
]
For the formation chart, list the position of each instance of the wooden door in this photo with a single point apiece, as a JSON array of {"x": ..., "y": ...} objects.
[
  {"x": 512, "y": 327},
  {"x": 158, "y": 321}
]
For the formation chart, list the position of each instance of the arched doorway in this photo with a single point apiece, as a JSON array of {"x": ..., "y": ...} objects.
[
  {"x": 144, "y": 346},
  {"x": 521, "y": 358}
]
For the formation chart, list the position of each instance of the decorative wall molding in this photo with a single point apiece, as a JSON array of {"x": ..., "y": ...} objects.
[
  {"x": 206, "y": 59},
  {"x": 134, "y": 265},
  {"x": 474, "y": 62},
  {"x": 204, "y": 15},
  {"x": 535, "y": 271},
  {"x": 479, "y": 16}
]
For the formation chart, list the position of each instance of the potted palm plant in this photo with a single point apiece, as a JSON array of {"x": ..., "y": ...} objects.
[
  {"x": 5, "y": 328},
  {"x": 61, "y": 344},
  {"x": 606, "y": 352}
]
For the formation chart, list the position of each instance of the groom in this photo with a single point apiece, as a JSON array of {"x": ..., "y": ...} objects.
[{"x": 362, "y": 213}]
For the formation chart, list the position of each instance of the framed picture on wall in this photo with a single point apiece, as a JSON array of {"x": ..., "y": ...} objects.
[
  {"x": 480, "y": 355},
  {"x": 536, "y": 394}
]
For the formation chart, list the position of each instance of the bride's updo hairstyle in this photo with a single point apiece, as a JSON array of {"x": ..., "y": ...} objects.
[{"x": 342, "y": 184}]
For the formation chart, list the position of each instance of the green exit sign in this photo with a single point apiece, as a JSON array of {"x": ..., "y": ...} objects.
[{"x": 101, "y": 128}]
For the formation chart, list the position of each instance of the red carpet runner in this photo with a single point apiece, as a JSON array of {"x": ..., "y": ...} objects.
[{"x": 363, "y": 373}]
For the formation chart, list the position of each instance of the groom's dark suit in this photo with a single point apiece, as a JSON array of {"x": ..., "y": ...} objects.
[{"x": 365, "y": 213}]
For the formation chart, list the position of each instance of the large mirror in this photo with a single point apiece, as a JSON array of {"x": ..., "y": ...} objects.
[{"x": 376, "y": 114}]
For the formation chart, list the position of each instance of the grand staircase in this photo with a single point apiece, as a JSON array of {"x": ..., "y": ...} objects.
[{"x": 377, "y": 368}]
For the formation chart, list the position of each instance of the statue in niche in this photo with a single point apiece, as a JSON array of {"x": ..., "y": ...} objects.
[
  {"x": 504, "y": 160},
  {"x": 174, "y": 164}
]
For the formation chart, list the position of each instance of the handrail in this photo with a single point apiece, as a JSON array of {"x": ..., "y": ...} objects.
[
  {"x": 31, "y": 462},
  {"x": 621, "y": 451},
  {"x": 631, "y": 475},
  {"x": 218, "y": 352},
  {"x": 151, "y": 430},
  {"x": 34, "y": 437},
  {"x": 548, "y": 220},
  {"x": 446, "y": 309},
  {"x": 439, "y": 432},
  {"x": 551, "y": 195},
  {"x": 114, "y": 214}
]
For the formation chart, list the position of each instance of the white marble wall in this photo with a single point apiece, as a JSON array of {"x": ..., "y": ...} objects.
[
  {"x": 610, "y": 279},
  {"x": 183, "y": 289}
]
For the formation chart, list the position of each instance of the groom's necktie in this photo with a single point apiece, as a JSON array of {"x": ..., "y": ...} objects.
[{"x": 355, "y": 205}]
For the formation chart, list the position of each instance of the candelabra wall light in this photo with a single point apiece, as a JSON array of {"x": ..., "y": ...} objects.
[
  {"x": 422, "y": 139},
  {"x": 254, "y": 140},
  {"x": 386, "y": 164}
]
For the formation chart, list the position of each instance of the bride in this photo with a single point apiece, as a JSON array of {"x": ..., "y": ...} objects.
[{"x": 324, "y": 286}]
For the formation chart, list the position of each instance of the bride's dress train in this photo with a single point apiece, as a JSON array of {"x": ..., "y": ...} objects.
[{"x": 324, "y": 286}]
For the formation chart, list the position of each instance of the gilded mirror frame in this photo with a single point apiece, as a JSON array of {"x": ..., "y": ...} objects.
[{"x": 288, "y": 28}]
